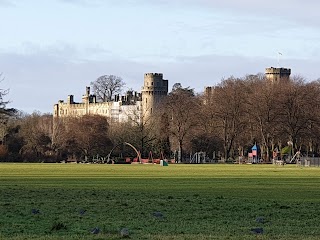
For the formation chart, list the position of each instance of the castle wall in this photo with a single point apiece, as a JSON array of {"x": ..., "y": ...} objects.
[
  {"x": 130, "y": 113},
  {"x": 79, "y": 109},
  {"x": 123, "y": 109}
]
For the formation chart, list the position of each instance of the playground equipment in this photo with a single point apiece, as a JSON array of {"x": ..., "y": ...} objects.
[
  {"x": 296, "y": 157},
  {"x": 198, "y": 157},
  {"x": 163, "y": 163},
  {"x": 253, "y": 155},
  {"x": 157, "y": 160},
  {"x": 128, "y": 144},
  {"x": 138, "y": 158}
]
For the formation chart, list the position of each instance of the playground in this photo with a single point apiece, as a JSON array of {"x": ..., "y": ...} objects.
[{"x": 286, "y": 155}]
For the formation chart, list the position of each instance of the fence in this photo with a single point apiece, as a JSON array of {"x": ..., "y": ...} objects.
[{"x": 310, "y": 161}]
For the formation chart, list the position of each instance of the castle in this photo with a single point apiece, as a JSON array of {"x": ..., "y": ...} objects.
[
  {"x": 133, "y": 106},
  {"x": 139, "y": 107}
]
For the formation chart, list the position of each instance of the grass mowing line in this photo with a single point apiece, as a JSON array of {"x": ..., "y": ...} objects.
[
  {"x": 214, "y": 202},
  {"x": 156, "y": 171}
]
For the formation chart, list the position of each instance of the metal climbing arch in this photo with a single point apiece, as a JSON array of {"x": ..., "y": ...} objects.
[{"x": 128, "y": 144}]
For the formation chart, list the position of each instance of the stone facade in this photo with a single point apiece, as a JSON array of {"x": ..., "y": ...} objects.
[
  {"x": 154, "y": 89},
  {"x": 131, "y": 107},
  {"x": 277, "y": 75}
]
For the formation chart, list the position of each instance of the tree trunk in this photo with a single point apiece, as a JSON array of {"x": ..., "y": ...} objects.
[{"x": 180, "y": 154}]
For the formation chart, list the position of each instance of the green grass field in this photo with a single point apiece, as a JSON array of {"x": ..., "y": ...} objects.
[{"x": 196, "y": 201}]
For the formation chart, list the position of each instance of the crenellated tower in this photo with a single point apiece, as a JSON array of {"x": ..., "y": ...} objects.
[
  {"x": 277, "y": 75},
  {"x": 154, "y": 89}
]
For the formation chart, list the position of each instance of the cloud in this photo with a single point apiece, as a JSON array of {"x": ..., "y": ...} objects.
[
  {"x": 301, "y": 12},
  {"x": 295, "y": 10},
  {"x": 7, "y": 3},
  {"x": 208, "y": 70},
  {"x": 38, "y": 80}
]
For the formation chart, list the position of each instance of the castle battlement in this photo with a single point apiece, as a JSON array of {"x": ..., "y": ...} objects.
[
  {"x": 153, "y": 75},
  {"x": 277, "y": 75},
  {"x": 272, "y": 70}
]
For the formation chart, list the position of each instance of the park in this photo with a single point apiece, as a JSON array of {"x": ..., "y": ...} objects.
[
  {"x": 159, "y": 120},
  {"x": 147, "y": 201}
]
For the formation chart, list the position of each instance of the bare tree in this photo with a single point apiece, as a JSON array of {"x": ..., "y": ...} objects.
[
  {"x": 311, "y": 140},
  {"x": 5, "y": 115},
  {"x": 298, "y": 109},
  {"x": 262, "y": 112},
  {"x": 208, "y": 138},
  {"x": 107, "y": 86},
  {"x": 181, "y": 107},
  {"x": 139, "y": 133},
  {"x": 228, "y": 101},
  {"x": 36, "y": 132},
  {"x": 4, "y": 112},
  {"x": 84, "y": 136}
]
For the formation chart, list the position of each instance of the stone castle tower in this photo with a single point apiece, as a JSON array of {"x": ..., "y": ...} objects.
[
  {"x": 154, "y": 89},
  {"x": 277, "y": 75}
]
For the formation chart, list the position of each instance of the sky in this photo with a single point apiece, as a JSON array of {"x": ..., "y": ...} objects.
[{"x": 55, "y": 48}]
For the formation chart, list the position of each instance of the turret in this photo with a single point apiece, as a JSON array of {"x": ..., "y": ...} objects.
[
  {"x": 277, "y": 75},
  {"x": 70, "y": 99},
  {"x": 154, "y": 89}
]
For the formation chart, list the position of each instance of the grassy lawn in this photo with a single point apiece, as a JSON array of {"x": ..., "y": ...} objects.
[{"x": 67, "y": 201}]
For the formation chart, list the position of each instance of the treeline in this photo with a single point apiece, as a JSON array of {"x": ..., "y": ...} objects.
[{"x": 224, "y": 121}]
